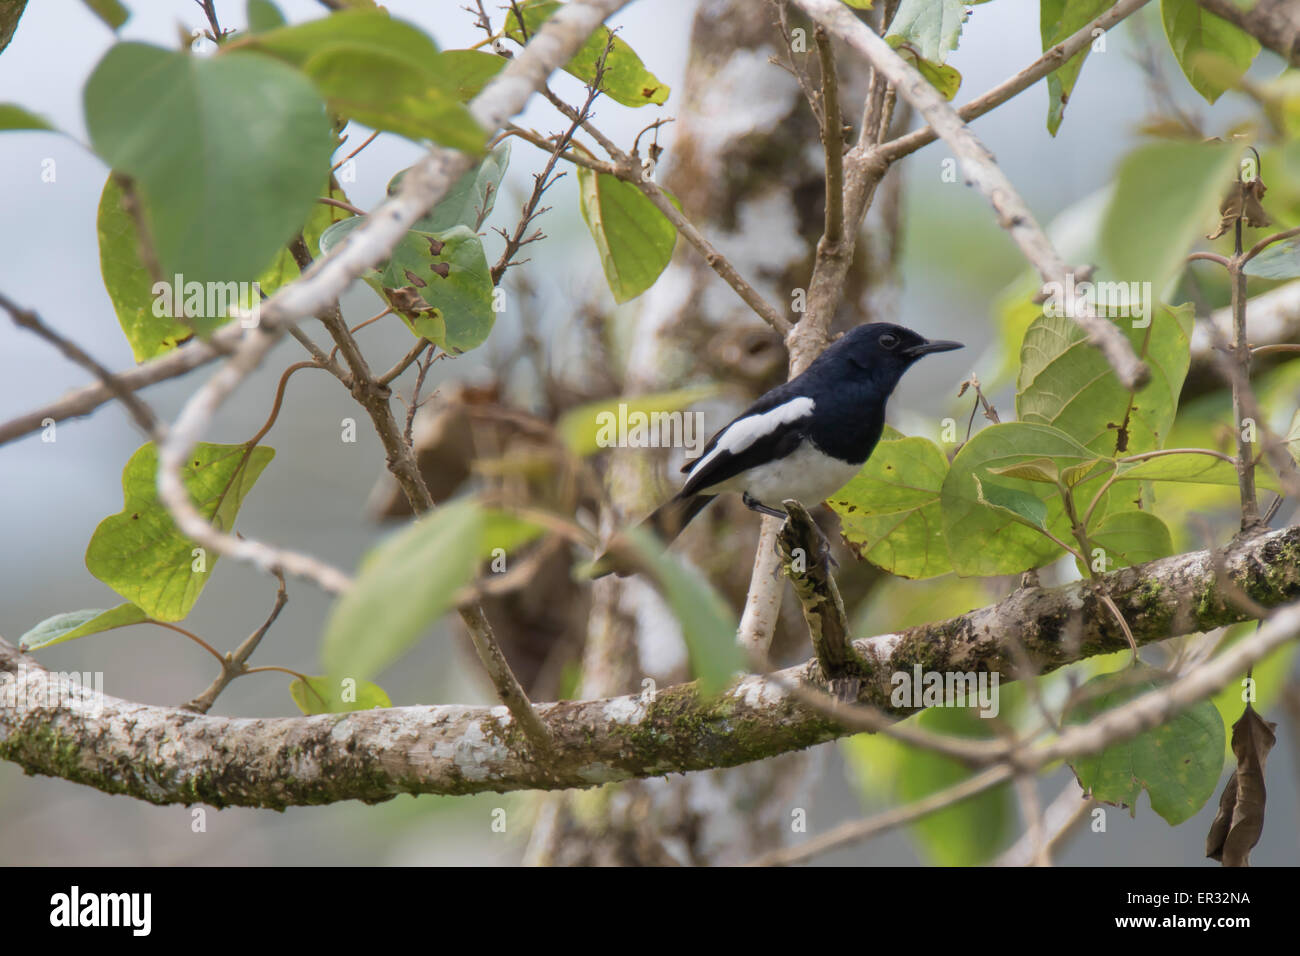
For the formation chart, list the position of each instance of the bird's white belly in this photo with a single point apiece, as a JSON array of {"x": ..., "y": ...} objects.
[{"x": 806, "y": 474}]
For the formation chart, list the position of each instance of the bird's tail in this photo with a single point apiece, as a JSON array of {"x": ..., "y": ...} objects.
[{"x": 666, "y": 521}]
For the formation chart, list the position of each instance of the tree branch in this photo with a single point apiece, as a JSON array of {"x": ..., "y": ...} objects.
[
  {"x": 1050, "y": 61},
  {"x": 982, "y": 172},
  {"x": 165, "y": 755},
  {"x": 626, "y": 168}
]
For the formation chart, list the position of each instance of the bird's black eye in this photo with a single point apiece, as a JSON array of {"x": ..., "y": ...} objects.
[{"x": 888, "y": 340}]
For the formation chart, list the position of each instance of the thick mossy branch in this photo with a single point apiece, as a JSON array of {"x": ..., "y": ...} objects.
[{"x": 165, "y": 755}]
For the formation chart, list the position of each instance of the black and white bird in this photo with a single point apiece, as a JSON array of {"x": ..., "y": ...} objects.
[{"x": 807, "y": 438}]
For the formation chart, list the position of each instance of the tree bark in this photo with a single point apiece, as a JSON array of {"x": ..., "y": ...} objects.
[{"x": 167, "y": 755}]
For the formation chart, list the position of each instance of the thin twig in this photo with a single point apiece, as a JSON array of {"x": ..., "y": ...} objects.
[
  {"x": 1267, "y": 241},
  {"x": 369, "y": 139},
  {"x": 189, "y": 634},
  {"x": 235, "y": 665},
  {"x": 1050, "y": 61},
  {"x": 856, "y": 831},
  {"x": 626, "y": 168},
  {"x": 27, "y": 319},
  {"x": 543, "y": 181},
  {"x": 414, "y": 404},
  {"x": 339, "y": 203}
]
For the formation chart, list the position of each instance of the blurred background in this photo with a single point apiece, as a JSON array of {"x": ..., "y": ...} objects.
[{"x": 954, "y": 263}]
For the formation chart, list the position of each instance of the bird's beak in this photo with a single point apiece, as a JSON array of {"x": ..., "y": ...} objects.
[{"x": 936, "y": 345}]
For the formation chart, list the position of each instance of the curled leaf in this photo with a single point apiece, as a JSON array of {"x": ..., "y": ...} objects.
[
  {"x": 1242, "y": 202},
  {"x": 1240, "y": 820}
]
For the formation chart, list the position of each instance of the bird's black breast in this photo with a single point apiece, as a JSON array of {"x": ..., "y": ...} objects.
[{"x": 849, "y": 420}]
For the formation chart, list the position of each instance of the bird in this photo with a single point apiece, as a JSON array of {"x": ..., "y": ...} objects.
[{"x": 804, "y": 439}]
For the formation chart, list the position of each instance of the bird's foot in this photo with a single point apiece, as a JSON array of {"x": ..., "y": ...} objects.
[{"x": 824, "y": 555}]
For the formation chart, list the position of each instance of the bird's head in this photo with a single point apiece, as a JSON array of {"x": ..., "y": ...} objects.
[{"x": 884, "y": 350}]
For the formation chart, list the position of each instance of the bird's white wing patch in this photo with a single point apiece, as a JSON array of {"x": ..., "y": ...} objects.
[{"x": 743, "y": 433}]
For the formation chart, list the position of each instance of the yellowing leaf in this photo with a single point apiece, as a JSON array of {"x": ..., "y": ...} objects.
[
  {"x": 141, "y": 554},
  {"x": 635, "y": 240},
  {"x": 626, "y": 79}
]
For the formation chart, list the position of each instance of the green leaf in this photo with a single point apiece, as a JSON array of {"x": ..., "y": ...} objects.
[
  {"x": 1067, "y": 383},
  {"x": 1279, "y": 261},
  {"x": 1165, "y": 196},
  {"x": 449, "y": 272},
  {"x": 635, "y": 240},
  {"x": 110, "y": 11},
  {"x": 1192, "y": 467},
  {"x": 626, "y": 79},
  {"x": 468, "y": 203},
  {"x": 1021, "y": 505},
  {"x": 1293, "y": 437},
  {"x": 943, "y": 78},
  {"x": 1077, "y": 473},
  {"x": 263, "y": 15},
  {"x": 284, "y": 267},
  {"x": 1193, "y": 31},
  {"x": 470, "y": 200},
  {"x": 440, "y": 284},
  {"x": 1057, "y": 20},
  {"x": 1177, "y": 763},
  {"x": 129, "y": 286},
  {"x": 985, "y": 533},
  {"x": 323, "y": 695},
  {"x": 1130, "y": 537},
  {"x": 890, "y": 513},
  {"x": 227, "y": 153},
  {"x": 372, "y": 31},
  {"x": 141, "y": 554},
  {"x": 73, "y": 624},
  {"x": 932, "y": 27},
  {"x": 1036, "y": 469},
  {"x": 404, "y": 584},
  {"x": 384, "y": 92},
  {"x": 589, "y": 428},
  {"x": 15, "y": 117},
  {"x": 468, "y": 71},
  {"x": 708, "y": 624},
  {"x": 506, "y": 532}
]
